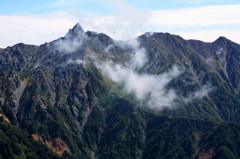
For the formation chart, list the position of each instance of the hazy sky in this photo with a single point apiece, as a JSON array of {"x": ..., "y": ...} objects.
[{"x": 39, "y": 21}]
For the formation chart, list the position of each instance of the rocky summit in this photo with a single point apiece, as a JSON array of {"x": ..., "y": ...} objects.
[{"x": 88, "y": 96}]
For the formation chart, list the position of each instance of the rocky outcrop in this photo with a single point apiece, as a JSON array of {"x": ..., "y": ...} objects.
[
  {"x": 57, "y": 145},
  {"x": 4, "y": 118}
]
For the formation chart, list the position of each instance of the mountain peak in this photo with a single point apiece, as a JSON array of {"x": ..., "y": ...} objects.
[
  {"x": 77, "y": 27},
  {"x": 75, "y": 31},
  {"x": 221, "y": 39}
]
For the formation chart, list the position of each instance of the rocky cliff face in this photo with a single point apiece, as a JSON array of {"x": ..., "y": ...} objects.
[{"x": 159, "y": 96}]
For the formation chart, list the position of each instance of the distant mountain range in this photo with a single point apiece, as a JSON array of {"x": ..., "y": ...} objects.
[{"x": 89, "y": 96}]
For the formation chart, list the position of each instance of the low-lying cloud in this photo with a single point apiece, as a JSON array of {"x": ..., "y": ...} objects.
[
  {"x": 150, "y": 89},
  {"x": 145, "y": 87},
  {"x": 200, "y": 93},
  {"x": 77, "y": 61}
]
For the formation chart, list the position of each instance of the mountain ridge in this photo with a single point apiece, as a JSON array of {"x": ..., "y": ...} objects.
[{"x": 79, "y": 90}]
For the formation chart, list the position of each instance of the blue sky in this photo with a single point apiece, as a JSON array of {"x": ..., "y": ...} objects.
[{"x": 41, "y": 21}]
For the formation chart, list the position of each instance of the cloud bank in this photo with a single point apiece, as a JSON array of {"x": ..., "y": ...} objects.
[{"x": 203, "y": 23}]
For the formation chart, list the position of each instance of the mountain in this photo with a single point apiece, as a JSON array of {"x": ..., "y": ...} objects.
[{"x": 87, "y": 95}]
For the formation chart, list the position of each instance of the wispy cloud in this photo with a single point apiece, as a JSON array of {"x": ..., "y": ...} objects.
[
  {"x": 200, "y": 93},
  {"x": 77, "y": 61}
]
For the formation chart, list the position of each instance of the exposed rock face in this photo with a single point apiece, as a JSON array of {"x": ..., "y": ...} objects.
[
  {"x": 58, "y": 93},
  {"x": 4, "y": 118},
  {"x": 57, "y": 145}
]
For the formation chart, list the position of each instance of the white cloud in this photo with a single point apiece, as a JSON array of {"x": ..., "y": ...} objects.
[
  {"x": 146, "y": 87},
  {"x": 77, "y": 61},
  {"x": 150, "y": 89},
  {"x": 125, "y": 23},
  {"x": 211, "y": 35},
  {"x": 132, "y": 22},
  {"x": 200, "y": 93},
  {"x": 139, "y": 57},
  {"x": 202, "y": 16},
  {"x": 32, "y": 30}
]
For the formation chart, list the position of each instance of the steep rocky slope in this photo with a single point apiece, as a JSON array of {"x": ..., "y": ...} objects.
[{"x": 63, "y": 94}]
